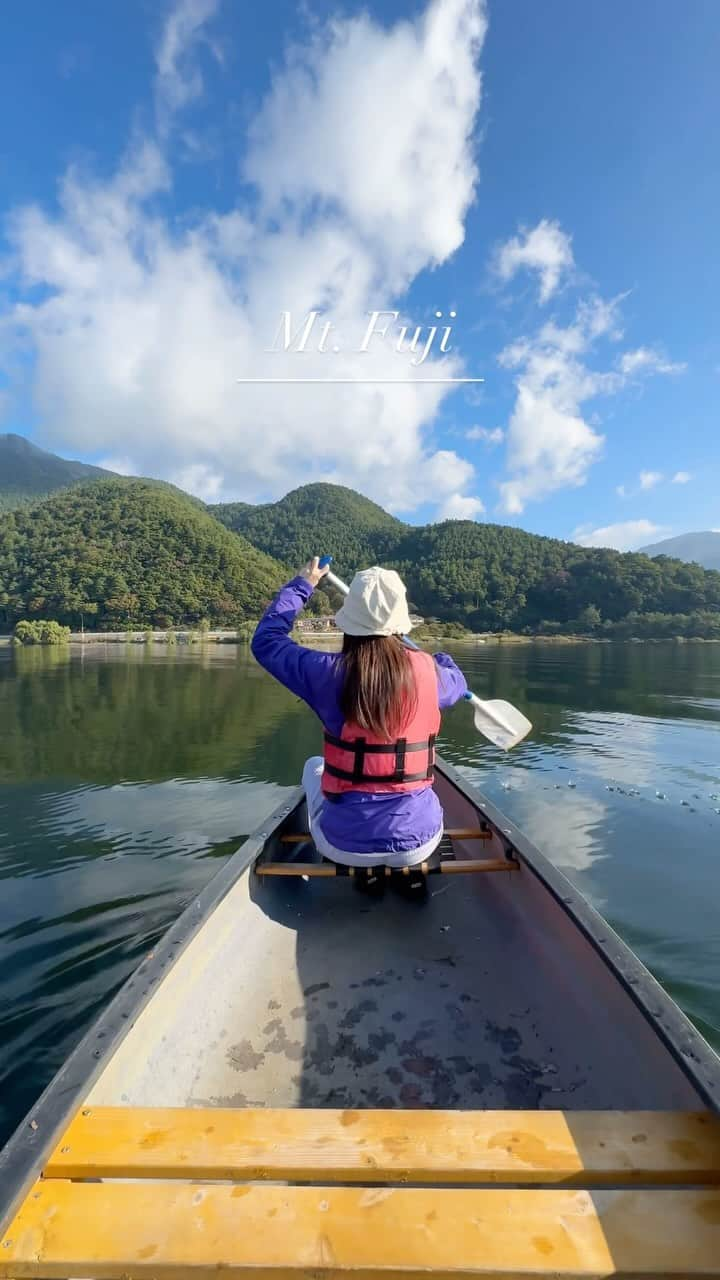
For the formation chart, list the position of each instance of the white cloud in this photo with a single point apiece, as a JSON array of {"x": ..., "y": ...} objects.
[
  {"x": 122, "y": 466},
  {"x": 378, "y": 122},
  {"x": 200, "y": 480},
  {"x": 649, "y": 480},
  {"x": 645, "y": 360},
  {"x": 179, "y": 80},
  {"x": 459, "y": 507},
  {"x": 550, "y": 444},
  {"x": 546, "y": 249},
  {"x": 138, "y": 326},
  {"x": 488, "y": 435},
  {"x": 625, "y": 536}
]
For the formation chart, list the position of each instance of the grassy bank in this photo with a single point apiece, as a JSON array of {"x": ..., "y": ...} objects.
[
  {"x": 331, "y": 639},
  {"x": 86, "y": 639}
]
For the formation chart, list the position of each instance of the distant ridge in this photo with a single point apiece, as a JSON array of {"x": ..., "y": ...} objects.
[
  {"x": 700, "y": 548},
  {"x": 28, "y": 473}
]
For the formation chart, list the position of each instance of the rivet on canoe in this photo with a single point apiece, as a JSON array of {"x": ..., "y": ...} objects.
[
  {"x": 87, "y": 1112},
  {"x": 64, "y": 1151}
]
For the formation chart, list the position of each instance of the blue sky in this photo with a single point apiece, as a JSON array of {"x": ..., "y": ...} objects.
[{"x": 173, "y": 176}]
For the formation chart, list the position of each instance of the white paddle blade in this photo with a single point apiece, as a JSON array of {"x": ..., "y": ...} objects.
[{"x": 500, "y": 722}]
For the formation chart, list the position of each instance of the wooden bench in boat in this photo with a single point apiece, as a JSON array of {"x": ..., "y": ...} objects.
[
  {"x": 174, "y": 1192},
  {"x": 442, "y": 862}
]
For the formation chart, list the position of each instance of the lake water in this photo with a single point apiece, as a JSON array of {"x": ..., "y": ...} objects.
[{"x": 127, "y": 776}]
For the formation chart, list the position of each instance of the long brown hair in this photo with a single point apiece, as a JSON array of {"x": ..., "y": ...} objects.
[{"x": 379, "y": 691}]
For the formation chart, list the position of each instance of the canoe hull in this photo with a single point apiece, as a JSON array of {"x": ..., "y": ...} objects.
[{"x": 503, "y": 991}]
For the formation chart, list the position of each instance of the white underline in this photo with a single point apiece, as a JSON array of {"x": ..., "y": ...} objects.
[{"x": 409, "y": 382}]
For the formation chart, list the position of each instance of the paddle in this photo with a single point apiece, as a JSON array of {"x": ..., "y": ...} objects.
[{"x": 498, "y": 721}]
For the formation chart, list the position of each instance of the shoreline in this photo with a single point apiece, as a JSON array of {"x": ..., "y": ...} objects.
[{"x": 192, "y": 639}]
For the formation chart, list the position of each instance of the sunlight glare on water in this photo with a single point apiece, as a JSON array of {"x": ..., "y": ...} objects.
[{"x": 128, "y": 775}]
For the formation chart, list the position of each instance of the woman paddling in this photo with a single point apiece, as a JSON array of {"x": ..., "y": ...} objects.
[{"x": 370, "y": 797}]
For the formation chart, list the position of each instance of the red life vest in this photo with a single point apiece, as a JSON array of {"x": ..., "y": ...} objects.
[{"x": 361, "y": 761}]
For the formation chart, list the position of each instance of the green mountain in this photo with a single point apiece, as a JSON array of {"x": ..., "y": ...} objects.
[
  {"x": 316, "y": 519},
  {"x": 487, "y": 576},
  {"x": 28, "y": 473},
  {"x": 119, "y": 552},
  {"x": 702, "y": 548}
]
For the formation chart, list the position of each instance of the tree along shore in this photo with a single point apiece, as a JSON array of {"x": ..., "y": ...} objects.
[{"x": 172, "y": 636}]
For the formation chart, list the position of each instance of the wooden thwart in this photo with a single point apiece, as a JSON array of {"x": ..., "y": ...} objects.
[
  {"x": 461, "y": 867},
  {"x": 455, "y": 833},
  {"x": 590, "y": 1148},
  {"x": 170, "y": 1231}
]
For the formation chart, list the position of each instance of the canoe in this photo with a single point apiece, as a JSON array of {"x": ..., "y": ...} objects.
[{"x": 301, "y": 1080}]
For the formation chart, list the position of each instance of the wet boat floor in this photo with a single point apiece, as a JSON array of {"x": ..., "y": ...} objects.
[
  {"x": 398, "y": 1008},
  {"x": 310, "y": 994},
  {"x": 404, "y": 1004}
]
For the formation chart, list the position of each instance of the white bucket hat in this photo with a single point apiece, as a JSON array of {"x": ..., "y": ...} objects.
[{"x": 376, "y": 605}]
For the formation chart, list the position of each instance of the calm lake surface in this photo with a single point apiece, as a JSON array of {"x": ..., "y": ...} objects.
[{"x": 128, "y": 775}]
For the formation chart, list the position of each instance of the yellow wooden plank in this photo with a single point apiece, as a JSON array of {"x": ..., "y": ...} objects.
[
  {"x": 172, "y": 1231},
  {"x": 579, "y": 1148}
]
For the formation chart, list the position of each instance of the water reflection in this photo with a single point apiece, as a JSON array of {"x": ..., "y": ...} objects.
[{"x": 126, "y": 775}]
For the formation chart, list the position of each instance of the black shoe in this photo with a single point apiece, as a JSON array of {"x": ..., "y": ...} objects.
[
  {"x": 370, "y": 881},
  {"x": 412, "y": 886}
]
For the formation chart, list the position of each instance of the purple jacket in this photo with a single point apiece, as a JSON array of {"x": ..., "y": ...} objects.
[{"x": 357, "y": 821}]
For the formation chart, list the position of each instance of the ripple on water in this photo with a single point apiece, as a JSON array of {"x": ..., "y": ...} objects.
[{"x": 112, "y": 819}]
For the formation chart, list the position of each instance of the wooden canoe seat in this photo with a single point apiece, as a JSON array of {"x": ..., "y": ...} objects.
[
  {"x": 326, "y": 868},
  {"x": 605, "y": 1194},
  {"x": 441, "y": 862},
  {"x": 580, "y": 1148}
]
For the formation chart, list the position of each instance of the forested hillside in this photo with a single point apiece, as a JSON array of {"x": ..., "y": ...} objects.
[
  {"x": 122, "y": 552},
  {"x": 325, "y": 518},
  {"x": 489, "y": 577},
  {"x": 28, "y": 473},
  {"x": 492, "y": 576}
]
